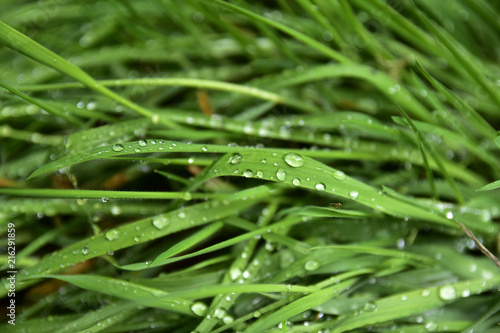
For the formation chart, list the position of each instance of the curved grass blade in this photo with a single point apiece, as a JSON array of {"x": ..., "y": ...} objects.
[
  {"x": 19, "y": 42},
  {"x": 303, "y": 304},
  {"x": 95, "y": 321},
  {"x": 43, "y": 105},
  {"x": 143, "y": 231},
  {"x": 127, "y": 290},
  {"x": 104, "y": 195},
  {"x": 413, "y": 258},
  {"x": 414, "y": 302},
  {"x": 490, "y": 186}
]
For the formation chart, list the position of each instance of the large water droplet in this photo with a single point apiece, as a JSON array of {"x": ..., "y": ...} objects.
[
  {"x": 160, "y": 222},
  {"x": 320, "y": 187},
  {"x": 112, "y": 235},
  {"x": 199, "y": 309},
  {"x": 311, "y": 265},
  {"x": 236, "y": 159},
  {"x": 447, "y": 293},
  {"x": 234, "y": 273},
  {"x": 339, "y": 175},
  {"x": 294, "y": 160},
  {"x": 354, "y": 195},
  {"x": 281, "y": 174},
  {"x": 248, "y": 173},
  {"x": 118, "y": 147},
  {"x": 219, "y": 313}
]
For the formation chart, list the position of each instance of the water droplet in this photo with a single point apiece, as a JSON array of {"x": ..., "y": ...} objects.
[
  {"x": 112, "y": 235},
  {"x": 248, "y": 173},
  {"x": 281, "y": 174},
  {"x": 431, "y": 327},
  {"x": 199, "y": 309},
  {"x": 236, "y": 159},
  {"x": 294, "y": 160},
  {"x": 181, "y": 215},
  {"x": 137, "y": 150},
  {"x": 449, "y": 215},
  {"x": 447, "y": 293},
  {"x": 339, "y": 175},
  {"x": 104, "y": 199},
  {"x": 219, "y": 313},
  {"x": 296, "y": 182},
  {"x": 234, "y": 273},
  {"x": 370, "y": 307},
  {"x": 311, "y": 265},
  {"x": 260, "y": 174},
  {"x": 264, "y": 161},
  {"x": 160, "y": 222},
  {"x": 118, "y": 147},
  {"x": 354, "y": 195},
  {"x": 205, "y": 148},
  {"x": 320, "y": 187},
  {"x": 227, "y": 320},
  {"x": 142, "y": 143}
]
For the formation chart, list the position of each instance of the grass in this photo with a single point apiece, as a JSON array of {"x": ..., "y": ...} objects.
[{"x": 213, "y": 166}]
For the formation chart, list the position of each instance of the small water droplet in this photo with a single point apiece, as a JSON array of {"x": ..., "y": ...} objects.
[
  {"x": 311, "y": 265},
  {"x": 137, "y": 150},
  {"x": 160, "y": 222},
  {"x": 320, "y": 187},
  {"x": 354, "y": 195},
  {"x": 296, "y": 182},
  {"x": 449, "y": 215},
  {"x": 181, "y": 215},
  {"x": 339, "y": 175},
  {"x": 104, "y": 199},
  {"x": 227, "y": 320},
  {"x": 248, "y": 173},
  {"x": 281, "y": 174},
  {"x": 142, "y": 143},
  {"x": 112, "y": 235},
  {"x": 294, "y": 160},
  {"x": 260, "y": 174},
  {"x": 264, "y": 161},
  {"x": 204, "y": 148},
  {"x": 370, "y": 307},
  {"x": 199, "y": 309},
  {"x": 118, "y": 147},
  {"x": 426, "y": 293},
  {"x": 447, "y": 293},
  {"x": 431, "y": 327},
  {"x": 236, "y": 159}
]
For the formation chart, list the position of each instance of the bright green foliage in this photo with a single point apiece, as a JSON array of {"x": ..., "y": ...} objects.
[{"x": 250, "y": 166}]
